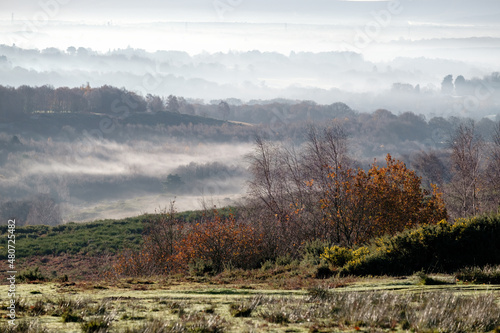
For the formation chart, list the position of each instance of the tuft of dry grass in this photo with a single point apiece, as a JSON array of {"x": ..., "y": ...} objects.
[
  {"x": 454, "y": 313},
  {"x": 244, "y": 308},
  {"x": 192, "y": 323},
  {"x": 441, "y": 311},
  {"x": 24, "y": 326},
  {"x": 486, "y": 275}
]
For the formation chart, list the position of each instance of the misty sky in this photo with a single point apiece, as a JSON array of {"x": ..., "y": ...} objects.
[
  {"x": 195, "y": 26},
  {"x": 292, "y": 11}
]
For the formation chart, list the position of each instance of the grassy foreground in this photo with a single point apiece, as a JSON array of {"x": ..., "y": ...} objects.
[
  {"x": 67, "y": 283},
  {"x": 331, "y": 305}
]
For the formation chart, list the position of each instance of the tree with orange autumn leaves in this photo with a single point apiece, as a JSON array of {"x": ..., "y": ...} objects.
[
  {"x": 220, "y": 242},
  {"x": 171, "y": 245},
  {"x": 360, "y": 205}
]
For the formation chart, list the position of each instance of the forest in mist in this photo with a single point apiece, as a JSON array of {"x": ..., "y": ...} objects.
[
  {"x": 111, "y": 109},
  {"x": 83, "y": 153}
]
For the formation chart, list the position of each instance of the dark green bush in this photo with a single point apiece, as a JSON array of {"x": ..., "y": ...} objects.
[
  {"x": 68, "y": 317},
  {"x": 33, "y": 274},
  {"x": 434, "y": 248},
  {"x": 267, "y": 265},
  {"x": 322, "y": 271},
  {"x": 201, "y": 267}
]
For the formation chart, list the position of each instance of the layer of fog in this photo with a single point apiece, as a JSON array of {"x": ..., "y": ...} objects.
[
  {"x": 376, "y": 42},
  {"x": 119, "y": 179},
  {"x": 325, "y": 78}
]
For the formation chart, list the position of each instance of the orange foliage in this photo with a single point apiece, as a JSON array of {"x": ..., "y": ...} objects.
[
  {"x": 219, "y": 241},
  {"x": 385, "y": 200},
  {"x": 170, "y": 245},
  {"x": 136, "y": 263}
]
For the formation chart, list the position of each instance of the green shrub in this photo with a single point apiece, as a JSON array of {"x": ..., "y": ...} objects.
[
  {"x": 441, "y": 248},
  {"x": 338, "y": 256},
  {"x": 33, "y": 274},
  {"x": 318, "y": 293},
  {"x": 267, "y": 265},
  {"x": 322, "y": 271},
  {"x": 312, "y": 251},
  {"x": 284, "y": 260}
]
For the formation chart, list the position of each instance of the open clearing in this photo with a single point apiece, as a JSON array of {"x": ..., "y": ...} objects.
[{"x": 359, "y": 304}]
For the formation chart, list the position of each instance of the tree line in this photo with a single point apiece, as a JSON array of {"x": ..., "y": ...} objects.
[
  {"x": 15, "y": 103},
  {"x": 278, "y": 116}
]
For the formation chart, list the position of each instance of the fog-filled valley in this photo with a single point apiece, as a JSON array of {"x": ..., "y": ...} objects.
[{"x": 111, "y": 110}]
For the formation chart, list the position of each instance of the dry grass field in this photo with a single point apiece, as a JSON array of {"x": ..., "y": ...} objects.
[{"x": 405, "y": 304}]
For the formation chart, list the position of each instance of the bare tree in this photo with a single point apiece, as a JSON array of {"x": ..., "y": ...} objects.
[
  {"x": 433, "y": 167},
  {"x": 162, "y": 232},
  {"x": 268, "y": 177},
  {"x": 44, "y": 211},
  {"x": 172, "y": 104},
  {"x": 493, "y": 172},
  {"x": 289, "y": 184},
  {"x": 224, "y": 110},
  {"x": 266, "y": 191},
  {"x": 325, "y": 155},
  {"x": 154, "y": 103},
  {"x": 464, "y": 190}
]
